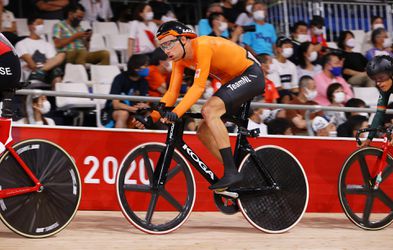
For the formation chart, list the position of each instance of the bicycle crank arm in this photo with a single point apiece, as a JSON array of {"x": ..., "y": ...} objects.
[{"x": 233, "y": 195}]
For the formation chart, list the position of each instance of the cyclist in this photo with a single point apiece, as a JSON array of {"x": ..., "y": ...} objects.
[
  {"x": 380, "y": 69},
  {"x": 10, "y": 73},
  {"x": 224, "y": 60}
]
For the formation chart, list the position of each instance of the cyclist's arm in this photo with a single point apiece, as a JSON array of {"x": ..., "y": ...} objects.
[{"x": 379, "y": 115}]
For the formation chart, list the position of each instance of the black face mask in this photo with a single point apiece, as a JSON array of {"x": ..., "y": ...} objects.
[{"x": 75, "y": 22}]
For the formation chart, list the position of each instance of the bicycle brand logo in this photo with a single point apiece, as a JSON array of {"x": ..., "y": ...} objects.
[
  {"x": 200, "y": 163},
  {"x": 243, "y": 80}
]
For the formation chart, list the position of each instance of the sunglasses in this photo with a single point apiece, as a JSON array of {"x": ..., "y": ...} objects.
[{"x": 169, "y": 44}]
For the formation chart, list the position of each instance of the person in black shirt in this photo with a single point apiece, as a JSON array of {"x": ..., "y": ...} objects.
[
  {"x": 354, "y": 69},
  {"x": 130, "y": 82}
]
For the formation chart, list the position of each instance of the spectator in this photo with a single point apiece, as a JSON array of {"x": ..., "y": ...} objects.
[
  {"x": 8, "y": 25},
  {"x": 336, "y": 96},
  {"x": 230, "y": 11},
  {"x": 159, "y": 71},
  {"x": 354, "y": 70},
  {"x": 130, "y": 82},
  {"x": 350, "y": 127},
  {"x": 285, "y": 68},
  {"x": 376, "y": 23},
  {"x": 246, "y": 16},
  {"x": 36, "y": 107},
  {"x": 271, "y": 94},
  {"x": 162, "y": 10},
  {"x": 299, "y": 35},
  {"x": 50, "y": 9},
  {"x": 355, "y": 103},
  {"x": 279, "y": 126},
  {"x": 316, "y": 31},
  {"x": 203, "y": 25},
  {"x": 142, "y": 30},
  {"x": 332, "y": 64},
  {"x": 381, "y": 44},
  {"x": 97, "y": 10},
  {"x": 220, "y": 25},
  {"x": 322, "y": 127},
  {"x": 307, "y": 57},
  {"x": 39, "y": 59},
  {"x": 285, "y": 96},
  {"x": 70, "y": 38},
  {"x": 307, "y": 93},
  {"x": 255, "y": 121},
  {"x": 262, "y": 40}
]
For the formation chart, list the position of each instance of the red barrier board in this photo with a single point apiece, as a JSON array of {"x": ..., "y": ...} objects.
[{"x": 99, "y": 152}]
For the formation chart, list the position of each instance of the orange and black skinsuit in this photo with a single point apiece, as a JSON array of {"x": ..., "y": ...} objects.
[{"x": 222, "y": 59}]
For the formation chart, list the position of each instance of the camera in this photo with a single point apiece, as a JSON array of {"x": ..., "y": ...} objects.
[{"x": 249, "y": 28}]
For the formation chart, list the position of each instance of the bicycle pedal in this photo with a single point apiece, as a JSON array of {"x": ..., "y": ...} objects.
[{"x": 227, "y": 193}]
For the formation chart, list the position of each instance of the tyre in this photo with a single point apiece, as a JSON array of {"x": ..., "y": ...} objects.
[
  {"x": 366, "y": 207},
  {"x": 45, "y": 213},
  {"x": 275, "y": 210},
  {"x": 155, "y": 210}
]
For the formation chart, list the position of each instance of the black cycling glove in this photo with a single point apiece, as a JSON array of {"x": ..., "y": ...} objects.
[{"x": 171, "y": 116}]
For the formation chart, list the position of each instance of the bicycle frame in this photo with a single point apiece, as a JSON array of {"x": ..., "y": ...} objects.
[
  {"x": 6, "y": 143},
  {"x": 387, "y": 148}
]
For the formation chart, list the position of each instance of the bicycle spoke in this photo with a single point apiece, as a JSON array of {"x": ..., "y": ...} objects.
[
  {"x": 355, "y": 189},
  {"x": 364, "y": 169},
  {"x": 167, "y": 196},
  {"x": 152, "y": 206},
  {"x": 386, "y": 172},
  {"x": 367, "y": 209},
  {"x": 137, "y": 187},
  {"x": 148, "y": 166},
  {"x": 385, "y": 199},
  {"x": 173, "y": 172}
]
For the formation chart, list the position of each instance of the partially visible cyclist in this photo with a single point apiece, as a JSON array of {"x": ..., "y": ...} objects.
[
  {"x": 380, "y": 69},
  {"x": 224, "y": 60},
  {"x": 10, "y": 73}
]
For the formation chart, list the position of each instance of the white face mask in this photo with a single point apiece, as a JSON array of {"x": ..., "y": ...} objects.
[
  {"x": 45, "y": 107},
  {"x": 265, "y": 114},
  {"x": 149, "y": 16},
  {"x": 378, "y": 25},
  {"x": 333, "y": 133},
  {"x": 287, "y": 52},
  {"x": 365, "y": 114},
  {"x": 209, "y": 91},
  {"x": 387, "y": 42},
  {"x": 233, "y": 2},
  {"x": 259, "y": 15},
  {"x": 310, "y": 94},
  {"x": 317, "y": 31},
  {"x": 350, "y": 43},
  {"x": 39, "y": 30},
  {"x": 364, "y": 135},
  {"x": 339, "y": 97},
  {"x": 5, "y": 2},
  {"x": 313, "y": 56},
  {"x": 249, "y": 8},
  {"x": 301, "y": 38},
  {"x": 223, "y": 26}
]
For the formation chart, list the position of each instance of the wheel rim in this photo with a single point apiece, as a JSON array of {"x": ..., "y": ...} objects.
[
  {"x": 146, "y": 207},
  {"x": 364, "y": 206}
]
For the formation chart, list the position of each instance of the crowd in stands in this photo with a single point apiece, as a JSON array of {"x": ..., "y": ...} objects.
[{"x": 300, "y": 69}]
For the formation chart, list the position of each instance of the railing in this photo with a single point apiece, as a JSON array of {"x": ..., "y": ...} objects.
[{"x": 308, "y": 108}]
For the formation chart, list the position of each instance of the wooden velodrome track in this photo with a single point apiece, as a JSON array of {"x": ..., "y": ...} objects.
[{"x": 204, "y": 230}]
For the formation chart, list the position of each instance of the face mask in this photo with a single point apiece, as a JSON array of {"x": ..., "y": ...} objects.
[
  {"x": 39, "y": 30},
  {"x": 149, "y": 16},
  {"x": 75, "y": 22},
  {"x": 249, "y": 8},
  {"x": 311, "y": 94},
  {"x": 364, "y": 135},
  {"x": 313, "y": 56},
  {"x": 333, "y": 133},
  {"x": 45, "y": 107},
  {"x": 5, "y": 2},
  {"x": 387, "y": 42},
  {"x": 365, "y": 114},
  {"x": 287, "y": 52},
  {"x": 350, "y": 43},
  {"x": 208, "y": 93},
  {"x": 336, "y": 71},
  {"x": 223, "y": 26},
  {"x": 378, "y": 25},
  {"x": 233, "y": 2},
  {"x": 301, "y": 38},
  {"x": 339, "y": 97},
  {"x": 265, "y": 114},
  {"x": 259, "y": 15},
  {"x": 317, "y": 31},
  {"x": 143, "y": 72}
]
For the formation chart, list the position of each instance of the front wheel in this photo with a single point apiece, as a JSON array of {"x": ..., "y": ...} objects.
[
  {"x": 155, "y": 210},
  {"x": 366, "y": 207},
  {"x": 276, "y": 209},
  {"x": 45, "y": 213}
]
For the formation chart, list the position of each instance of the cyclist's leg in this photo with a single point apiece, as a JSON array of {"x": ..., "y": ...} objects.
[{"x": 206, "y": 137}]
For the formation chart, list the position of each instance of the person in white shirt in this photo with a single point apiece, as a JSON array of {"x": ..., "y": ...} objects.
[
  {"x": 376, "y": 23},
  {"x": 142, "y": 31},
  {"x": 97, "y": 10},
  {"x": 36, "y": 107},
  {"x": 246, "y": 17},
  {"x": 39, "y": 59},
  {"x": 284, "y": 67},
  {"x": 307, "y": 55},
  {"x": 256, "y": 121}
]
